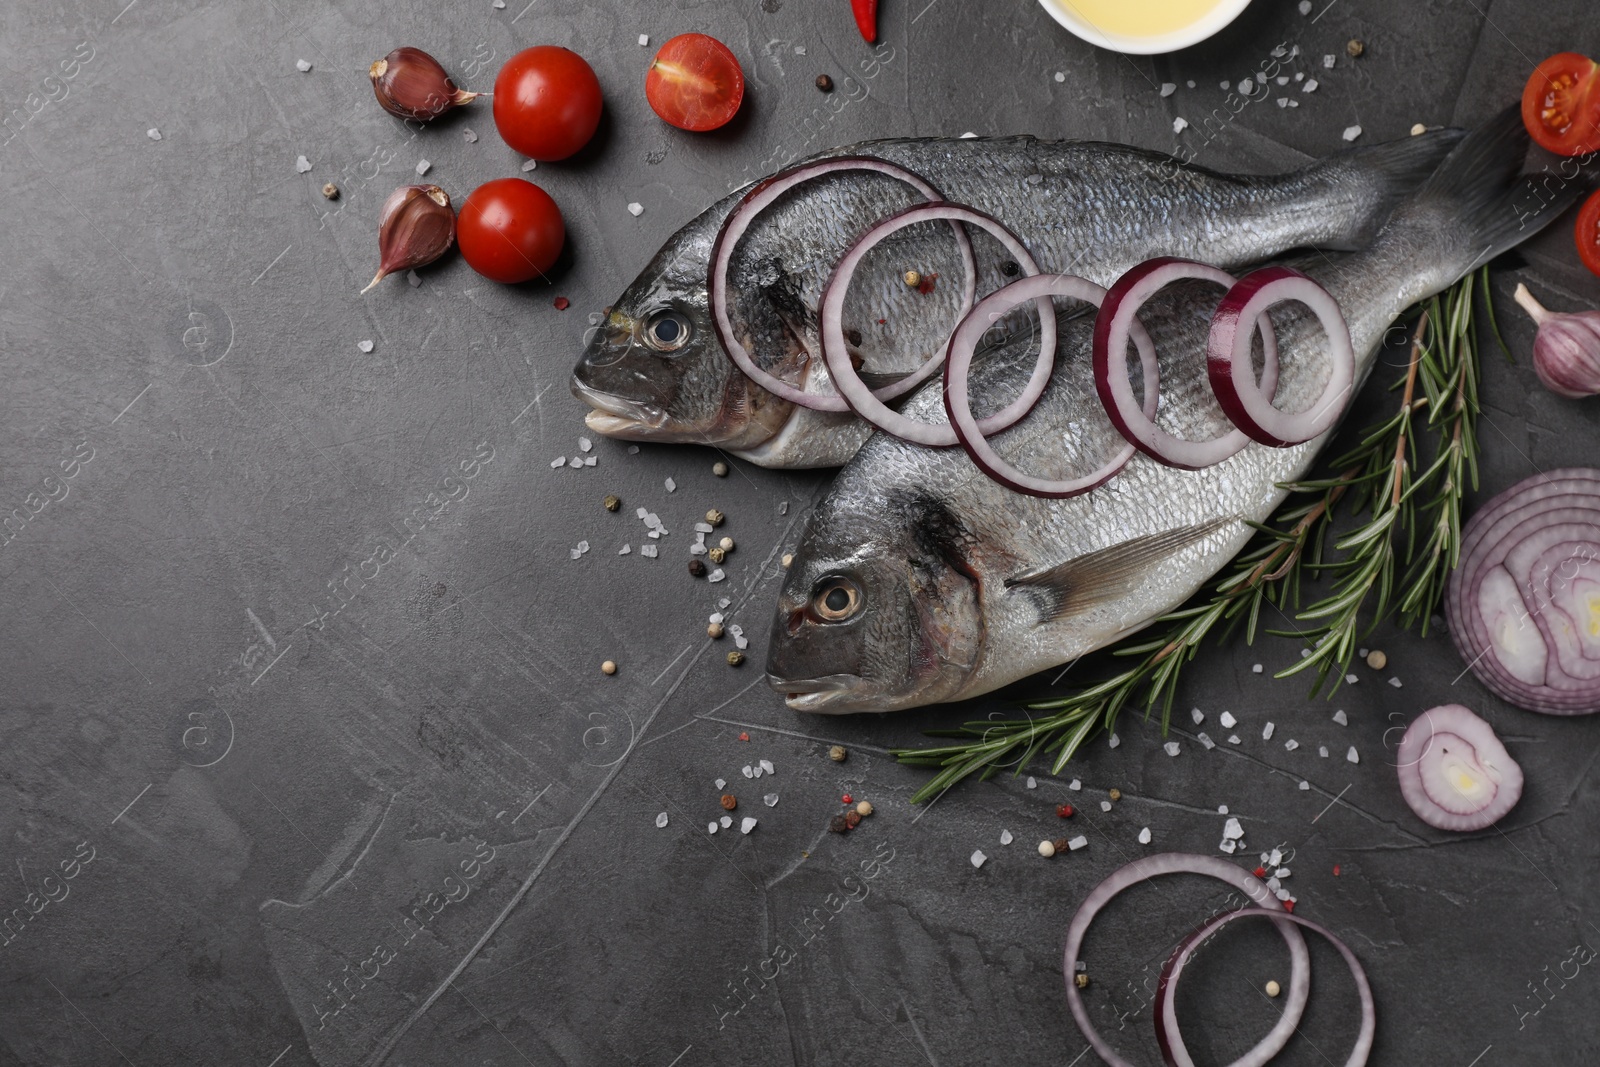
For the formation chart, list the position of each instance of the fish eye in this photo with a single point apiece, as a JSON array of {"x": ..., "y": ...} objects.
[
  {"x": 667, "y": 331},
  {"x": 835, "y": 599}
]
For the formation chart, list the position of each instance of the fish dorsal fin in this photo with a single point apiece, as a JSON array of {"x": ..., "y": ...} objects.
[{"x": 1069, "y": 588}]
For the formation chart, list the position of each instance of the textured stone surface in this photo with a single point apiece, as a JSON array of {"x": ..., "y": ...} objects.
[{"x": 301, "y": 682}]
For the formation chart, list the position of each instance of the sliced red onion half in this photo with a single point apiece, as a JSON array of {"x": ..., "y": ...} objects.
[
  {"x": 1523, "y": 605},
  {"x": 972, "y": 432},
  {"x": 1212, "y": 867},
  {"x": 1172, "y": 1047},
  {"x": 868, "y": 404},
  {"x": 738, "y": 222},
  {"x": 1454, "y": 772},
  {"x": 1118, "y": 315},
  {"x": 1232, "y": 375}
]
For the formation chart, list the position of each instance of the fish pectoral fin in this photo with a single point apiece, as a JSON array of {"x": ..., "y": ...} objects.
[{"x": 1069, "y": 588}]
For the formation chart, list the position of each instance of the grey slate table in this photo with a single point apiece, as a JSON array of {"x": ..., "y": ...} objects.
[{"x": 299, "y": 681}]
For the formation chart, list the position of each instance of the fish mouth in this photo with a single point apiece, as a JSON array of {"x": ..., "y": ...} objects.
[
  {"x": 615, "y": 416},
  {"x": 815, "y": 694}
]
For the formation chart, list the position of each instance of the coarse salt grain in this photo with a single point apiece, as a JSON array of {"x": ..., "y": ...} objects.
[
  {"x": 153, "y": 133},
  {"x": 1144, "y": 836},
  {"x": 1227, "y": 720},
  {"x": 1077, "y": 842},
  {"x": 672, "y": 486},
  {"x": 747, "y": 824},
  {"x": 711, "y": 827},
  {"x": 1232, "y": 830},
  {"x": 1114, "y": 742},
  {"x": 1197, "y": 715},
  {"x": 529, "y": 164},
  {"x": 1322, "y": 750},
  {"x": 302, "y": 164},
  {"x": 413, "y": 278},
  {"x": 648, "y": 551},
  {"x": 644, "y": 40},
  {"x": 1395, "y": 682},
  {"x": 1060, "y": 77},
  {"x": 1310, "y": 86},
  {"x": 301, "y": 65},
  {"x": 1227, "y": 846},
  {"x": 721, "y": 782},
  {"x": 770, "y": 800},
  {"x": 1222, "y": 809},
  {"x": 469, "y": 135},
  {"x": 747, "y": 770},
  {"x": 1351, "y": 133},
  {"x": 1075, "y": 785},
  {"x": 1168, "y": 88},
  {"x": 1032, "y": 783},
  {"x": 726, "y": 821},
  {"x": 1351, "y": 679},
  {"x": 1180, "y": 124},
  {"x": 1172, "y": 748},
  {"x": 1305, "y": 785},
  {"x": 584, "y": 444},
  {"x": 636, "y": 209},
  {"x": 1105, "y": 805},
  {"x": 1352, "y": 755},
  {"x": 1305, "y": 7},
  {"x": 1246, "y": 87},
  {"x": 978, "y": 857},
  {"x": 661, "y": 820},
  {"x": 766, "y": 764},
  {"x": 1266, "y": 732},
  {"x": 423, "y": 167},
  {"x": 1328, "y": 61},
  {"x": 969, "y": 135},
  {"x": 365, "y": 346},
  {"x": 624, "y": 550},
  {"x": 716, "y": 575},
  {"x": 589, "y": 461},
  {"x": 559, "y": 461},
  {"x": 1341, "y": 718},
  {"x": 1233, "y": 739},
  {"x": 1255, "y": 668},
  {"x": 1291, "y": 744},
  {"x": 1206, "y": 741},
  {"x": 1005, "y": 837},
  {"x": 575, "y": 462}
]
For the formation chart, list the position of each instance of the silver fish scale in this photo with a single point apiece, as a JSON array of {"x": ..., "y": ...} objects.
[{"x": 1009, "y": 533}]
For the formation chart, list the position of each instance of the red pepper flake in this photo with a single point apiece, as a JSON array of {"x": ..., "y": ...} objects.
[
  {"x": 1336, "y": 870},
  {"x": 1288, "y": 906},
  {"x": 925, "y": 286},
  {"x": 1260, "y": 872},
  {"x": 562, "y": 303},
  {"x": 1064, "y": 810},
  {"x": 744, "y": 737},
  {"x": 883, "y": 322},
  {"x": 847, "y": 799}
]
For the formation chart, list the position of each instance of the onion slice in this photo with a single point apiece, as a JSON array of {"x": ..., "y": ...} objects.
[
  {"x": 868, "y": 404},
  {"x": 1118, "y": 315},
  {"x": 1172, "y": 1046},
  {"x": 972, "y": 432},
  {"x": 1523, "y": 606},
  {"x": 1211, "y": 867},
  {"x": 1454, "y": 772},
  {"x": 738, "y": 222},
  {"x": 1233, "y": 376}
]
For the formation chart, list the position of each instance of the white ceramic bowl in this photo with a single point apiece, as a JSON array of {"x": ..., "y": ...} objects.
[{"x": 1211, "y": 22}]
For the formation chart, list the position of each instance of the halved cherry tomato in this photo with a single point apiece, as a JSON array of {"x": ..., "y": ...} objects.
[
  {"x": 510, "y": 230},
  {"x": 1561, "y": 104},
  {"x": 1588, "y": 233},
  {"x": 546, "y": 102},
  {"x": 694, "y": 82}
]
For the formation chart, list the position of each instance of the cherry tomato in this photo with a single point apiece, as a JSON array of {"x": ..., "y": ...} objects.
[
  {"x": 1588, "y": 233},
  {"x": 1561, "y": 104},
  {"x": 546, "y": 102},
  {"x": 694, "y": 82},
  {"x": 510, "y": 230}
]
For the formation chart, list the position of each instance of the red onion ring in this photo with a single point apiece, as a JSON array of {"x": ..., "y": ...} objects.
[
  {"x": 758, "y": 199},
  {"x": 1454, "y": 772},
  {"x": 867, "y": 404},
  {"x": 1211, "y": 867},
  {"x": 1497, "y": 599},
  {"x": 971, "y": 432},
  {"x": 1111, "y": 326},
  {"x": 1172, "y": 1044},
  {"x": 1233, "y": 376}
]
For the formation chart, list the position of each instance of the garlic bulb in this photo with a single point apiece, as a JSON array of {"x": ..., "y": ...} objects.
[{"x": 1566, "y": 351}]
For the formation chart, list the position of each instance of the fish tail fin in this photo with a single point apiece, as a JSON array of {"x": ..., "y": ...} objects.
[
  {"x": 1479, "y": 203},
  {"x": 1366, "y": 184}
]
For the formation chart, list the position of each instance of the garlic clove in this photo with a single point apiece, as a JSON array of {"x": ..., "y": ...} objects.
[
  {"x": 411, "y": 84},
  {"x": 417, "y": 226},
  {"x": 1566, "y": 350}
]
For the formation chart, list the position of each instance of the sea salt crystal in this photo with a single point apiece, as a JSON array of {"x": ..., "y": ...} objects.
[
  {"x": 1283, "y": 101},
  {"x": 716, "y": 575},
  {"x": 1291, "y": 744},
  {"x": 1352, "y": 756},
  {"x": 1075, "y": 785},
  {"x": 1322, "y": 750},
  {"x": 741, "y": 641},
  {"x": 1105, "y": 805},
  {"x": 1305, "y": 7},
  {"x": 770, "y": 800},
  {"x": 1283, "y": 79},
  {"x": 1351, "y": 133},
  {"x": 644, "y": 40},
  {"x": 1266, "y": 732},
  {"x": 1233, "y": 739},
  {"x": 498, "y": 5},
  {"x": 1261, "y": 77},
  {"x": 715, "y": 617},
  {"x": 726, "y": 821},
  {"x": 1180, "y": 124},
  {"x": 1351, "y": 679},
  {"x": 1197, "y": 715},
  {"x": 423, "y": 167},
  {"x": 1168, "y": 88},
  {"x": 1274, "y": 884},
  {"x": 1281, "y": 894},
  {"x": 1281, "y": 872},
  {"x": 1144, "y": 836},
  {"x": 1172, "y": 748},
  {"x": 783, "y": 507},
  {"x": 1114, "y": 742},
  {"x": 559, "y": 461},
  {"x": 721, "y": 782},
  {"x": 1206, "y": 741},
  {"x": 1305, "y": 785},
  {"x": 413, "y": 279},
  {"x": 302, "y": 66},
  {"x": 1341, "y": 718},
  {"x": 747, "y": 824},
  {"x": 661, "y": 820},
  {"x": 711, "y": 827},
  {"x": 529, "y": 164},
  {"x": 1328, "y": 61},
  {"x": 1294, "y": 103},
  {"x": 469, "y": 135},
  {"x": 747, "y": 770},
  {"x": 722, "y": 604},
  {"x": 624, "y": 550},
  {"x": 1255, "y": 669},
  {"x": 969, "y": 135},
  {"x": 153, "y": 133},
  {"x": 672, "y": 486},
  {"x": 1362, "y": 653},
  {"x": 697, "y": 549},
  {"x": 636, "y": 209},
  {"x": 1310, "y": 86},
  {"x": 1190, "y": 83},
  {"x": 585, "y": 445},
  {"x": 1005, "y": 837},
  {"x": 1299, "y": 75},
  {"x": 648, "y": 551},
  {"x": 766, "y": 765},
  {"x": 978, "y": 857},
  {"x": 1077, "y": 842},
  {"x": 1232, "y": 830},
  {"x": 1227, "y": 846},
  {"x": 1227, "y": 720},
  {"x": 1032, "y": 782},
  {"x": 1246, "y": 87},
  {"x": 1225, "y": 85},
  {"x": 589, "y": 461},
  {"x": 1273, "y": 858},
  {"x": 1222, "y": 809},
  {"x": 1395, "y": 682},
  {"x": 799, "y": 49},
  {"x": 702, "y": 528},
  {"x": 575, "y": 462},
  {"x": 633, "y": 450},
  {"x": 365, "y": 346},
  {"x": 301, "y": 163},
  {"x": 1060, "y": 77},
  {"x": 641, "y": 513}
]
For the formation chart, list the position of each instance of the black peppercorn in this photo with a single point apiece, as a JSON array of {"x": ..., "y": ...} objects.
[
  {"x": 697, "y": 568},
  {"x": 824, "y": 83}
]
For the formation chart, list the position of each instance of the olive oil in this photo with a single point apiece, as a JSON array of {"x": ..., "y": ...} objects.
[{"x": 1139, "y": 18}]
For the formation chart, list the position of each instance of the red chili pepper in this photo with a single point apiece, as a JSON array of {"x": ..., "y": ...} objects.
[{"x": 866, "y": 18}]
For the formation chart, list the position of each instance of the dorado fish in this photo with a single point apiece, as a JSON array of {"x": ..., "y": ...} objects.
[
  {"x": 920, "y": 580},
  {"x": 654, "y": 370}
]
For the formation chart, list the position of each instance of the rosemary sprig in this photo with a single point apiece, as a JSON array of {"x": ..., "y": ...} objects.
[{"x": 1405, "y": 492}]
